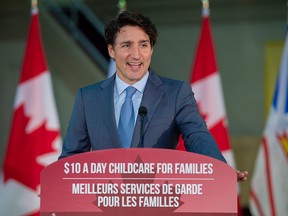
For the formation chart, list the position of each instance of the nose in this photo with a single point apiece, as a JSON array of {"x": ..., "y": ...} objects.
[{"x": 135, "y": 52}]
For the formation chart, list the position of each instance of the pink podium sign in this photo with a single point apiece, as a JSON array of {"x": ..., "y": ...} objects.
[{"x": 138, "y": 182}]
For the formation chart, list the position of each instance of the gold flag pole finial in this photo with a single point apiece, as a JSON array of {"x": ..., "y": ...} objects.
[
  {"x": 205, "y": 4},
  {"x": 34, "y": 3}
]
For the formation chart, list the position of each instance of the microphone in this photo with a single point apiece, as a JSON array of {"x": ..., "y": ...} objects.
[{"x": 142, "y": 113}]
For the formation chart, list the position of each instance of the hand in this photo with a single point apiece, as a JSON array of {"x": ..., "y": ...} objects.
[{"x": 241, "y": 176}]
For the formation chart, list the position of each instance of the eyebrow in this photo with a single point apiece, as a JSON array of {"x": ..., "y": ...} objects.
[
  {"x": 130, "y": 42},
  {"x": 125, "y": 42},
  {"x": 144, "y": 41}
]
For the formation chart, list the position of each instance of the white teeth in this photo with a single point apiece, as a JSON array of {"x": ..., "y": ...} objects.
[{"x": 134, "y": 64}]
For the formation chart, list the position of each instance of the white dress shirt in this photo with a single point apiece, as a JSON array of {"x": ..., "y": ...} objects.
[{"x": 120, "y": 94}]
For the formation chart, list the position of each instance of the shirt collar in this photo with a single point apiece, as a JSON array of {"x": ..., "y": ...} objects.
[{"x": 140, "y": 85}]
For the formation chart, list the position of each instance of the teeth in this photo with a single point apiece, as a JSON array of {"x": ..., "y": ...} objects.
[{"x": 135, "y": 64}]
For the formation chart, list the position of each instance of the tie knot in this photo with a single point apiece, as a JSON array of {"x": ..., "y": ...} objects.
[{"x": 130, "y": 90}]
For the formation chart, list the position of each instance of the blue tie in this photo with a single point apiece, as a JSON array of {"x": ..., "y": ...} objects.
[{"x": 127, "y": 117}]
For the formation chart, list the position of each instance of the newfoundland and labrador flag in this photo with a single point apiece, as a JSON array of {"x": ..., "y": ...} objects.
[
  {"x": 35, "y": 139},
  {"x": 269, "y": 187}
]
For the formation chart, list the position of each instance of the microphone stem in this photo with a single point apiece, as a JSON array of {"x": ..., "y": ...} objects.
[
  {"x": 142, "y": 113},
  {"x": 141, "y": 133}
]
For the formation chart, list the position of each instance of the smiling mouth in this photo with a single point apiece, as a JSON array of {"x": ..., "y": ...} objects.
[{"x": 135, "y": 66}]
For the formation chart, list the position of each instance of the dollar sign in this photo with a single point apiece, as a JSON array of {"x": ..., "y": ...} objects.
[{"x": 66, "y": 168}]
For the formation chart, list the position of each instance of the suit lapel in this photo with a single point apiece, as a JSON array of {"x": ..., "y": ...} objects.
[
  {"x": 106, "y": 105},
  {"x": 152, "y": 96}
]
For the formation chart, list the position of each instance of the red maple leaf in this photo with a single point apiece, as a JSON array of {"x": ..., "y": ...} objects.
[
  {"x": 140, "y": 179},
  {"x": 204, "y": 115},
  {"x": 220, "y": 134},
  {"x": 23, "y": 149},
  {"x": 219, "y": 131}
]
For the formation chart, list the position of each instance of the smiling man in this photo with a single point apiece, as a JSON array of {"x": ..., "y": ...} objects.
[
  {"x": 105, "y": 114},
  {"x": 132, "y": 52}
]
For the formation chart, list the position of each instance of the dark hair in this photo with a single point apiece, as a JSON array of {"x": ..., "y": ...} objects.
[{"x": 131, "y": 19}]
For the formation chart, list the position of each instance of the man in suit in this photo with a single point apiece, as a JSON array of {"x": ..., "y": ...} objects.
[{"x": 170, "y": 104}]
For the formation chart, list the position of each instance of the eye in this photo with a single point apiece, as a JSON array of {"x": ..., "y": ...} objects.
[
  {"x": 126, "y": 44},
  {"x": 144, "y": 45}
]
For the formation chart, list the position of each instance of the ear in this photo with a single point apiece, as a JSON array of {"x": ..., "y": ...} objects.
[{"x": 111, "y": 51}]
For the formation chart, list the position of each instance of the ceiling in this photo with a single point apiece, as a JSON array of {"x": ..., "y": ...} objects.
[
  {"x": 172, "y": 12},
  {"x": 169, "y": 12}
]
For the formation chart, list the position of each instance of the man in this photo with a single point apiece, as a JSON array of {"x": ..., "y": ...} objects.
[{"x": 97, "y": 120}]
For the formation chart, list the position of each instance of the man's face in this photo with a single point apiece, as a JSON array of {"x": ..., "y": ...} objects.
[{"x": 132, "y": 52}]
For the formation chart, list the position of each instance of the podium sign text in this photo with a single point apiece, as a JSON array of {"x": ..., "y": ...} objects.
[{"x": 138, "y": 182}]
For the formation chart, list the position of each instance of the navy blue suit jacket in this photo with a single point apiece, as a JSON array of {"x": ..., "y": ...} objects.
[{"x": 172, "y": 110}]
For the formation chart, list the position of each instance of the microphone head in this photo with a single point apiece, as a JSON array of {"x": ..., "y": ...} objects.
[{"x": 142, "y": 111}]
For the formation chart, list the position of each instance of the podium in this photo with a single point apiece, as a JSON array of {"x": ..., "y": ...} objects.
[{"x": 138, "y": 182}]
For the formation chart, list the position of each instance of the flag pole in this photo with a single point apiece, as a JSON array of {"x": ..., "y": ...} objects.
[
  {"x": 34, "y": 3},
  {"x": 205, "y": 4},
  {"x": 34, "y": 6},
  {"x": 205, "y": 8}
]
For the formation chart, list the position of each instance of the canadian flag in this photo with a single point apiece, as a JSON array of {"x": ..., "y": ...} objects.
[
  {"x": 35, "y": 140},
  {"x": 207, "y": 87}
]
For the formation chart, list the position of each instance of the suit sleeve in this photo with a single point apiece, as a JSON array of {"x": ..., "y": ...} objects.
[
  {"x": 197, "y": 137},
  {"x": 76, "y": 139}
]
